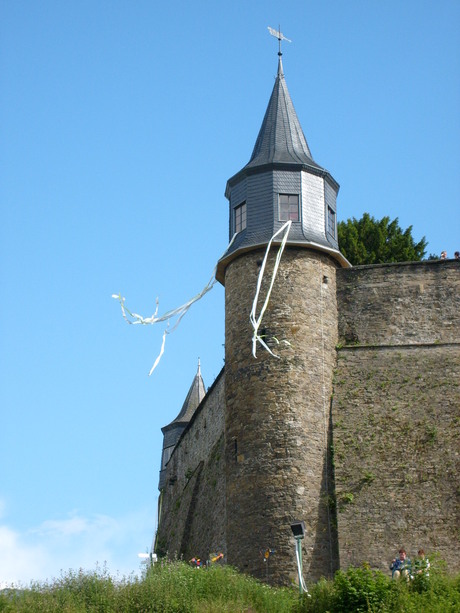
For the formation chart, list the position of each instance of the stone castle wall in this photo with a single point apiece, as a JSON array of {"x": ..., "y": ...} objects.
[
  {"x": 396, "y": 432},
  {"x": 393, "y": 424},
  {"x": 394, "y": 304},
  {"x": 192, "y": 516},
  {"x": 395, "y": 411}
]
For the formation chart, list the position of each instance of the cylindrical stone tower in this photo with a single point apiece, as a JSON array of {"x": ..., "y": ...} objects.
[
  {"x": 277, "y": 416},
  {"x": 277, "y": 461}
]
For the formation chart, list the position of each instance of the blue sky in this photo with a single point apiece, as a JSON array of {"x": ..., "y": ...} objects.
[{"x": 121, "y": 123}]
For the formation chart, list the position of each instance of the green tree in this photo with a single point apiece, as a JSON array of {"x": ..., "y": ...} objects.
[{"x": 371, "y": 241}]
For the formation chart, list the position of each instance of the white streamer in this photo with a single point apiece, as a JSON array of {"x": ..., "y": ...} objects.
[
  {"x": 162, "y": 350},
  {"x": 255, "y": 322},
  {"x": 179, "y": 312}
]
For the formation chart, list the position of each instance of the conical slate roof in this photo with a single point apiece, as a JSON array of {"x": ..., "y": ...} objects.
[
  {"x": 195, "y": 395},
  {"x": 281, "y": 138}
]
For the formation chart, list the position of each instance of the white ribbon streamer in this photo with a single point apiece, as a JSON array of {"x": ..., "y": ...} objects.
[
  {"x": 179, "y": 312},
  {"x": 256, "y": 321},
  {"x": 162, "y": 350}
]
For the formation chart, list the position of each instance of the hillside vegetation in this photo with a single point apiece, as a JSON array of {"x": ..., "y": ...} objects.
[{"x": 175, "y": 587}]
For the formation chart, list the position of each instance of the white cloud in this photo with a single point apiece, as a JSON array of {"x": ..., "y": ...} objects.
[
  {"x": 19, "y": 561},
  {"x": 76, "y": 541},
  {"x": 76, "y": 525}
]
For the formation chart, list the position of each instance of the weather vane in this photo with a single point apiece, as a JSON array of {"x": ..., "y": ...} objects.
[{"x": 277, "y": 34}]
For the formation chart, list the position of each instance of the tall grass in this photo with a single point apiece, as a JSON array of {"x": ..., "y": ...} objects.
[{"x": 175, "y": 587}]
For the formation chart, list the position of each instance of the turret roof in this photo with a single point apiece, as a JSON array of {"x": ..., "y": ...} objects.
[
  {"x": 281, "y": 141},
  {"x": 281, "y": 147},
  {"x": 195, "y": 395},
  {"x": 281, "y": 138}
]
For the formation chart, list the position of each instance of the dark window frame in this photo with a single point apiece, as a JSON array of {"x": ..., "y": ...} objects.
[
  {"x": 240, "y": 217},
  {"x": 289, "y": 207},
  {"x": 331, "y": 222}
]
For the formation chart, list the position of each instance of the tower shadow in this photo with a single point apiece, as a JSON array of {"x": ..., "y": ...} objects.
[{"x": 324, "y": 561}]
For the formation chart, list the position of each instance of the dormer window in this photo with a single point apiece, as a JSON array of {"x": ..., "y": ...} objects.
[
  {"x": 331, "y": 222},
  {"x": 240, "y": 217},
  {"x": 289, "y": 207}
]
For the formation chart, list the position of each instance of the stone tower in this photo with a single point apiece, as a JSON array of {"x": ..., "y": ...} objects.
[{"x": 277, "y": 410}]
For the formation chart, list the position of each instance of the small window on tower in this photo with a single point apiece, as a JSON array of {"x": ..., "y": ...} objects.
[
  {"x": 289, "y": 207},
  {"x": 166, "y": 456},
  {"x": 240, "y": 217},
  {"x": 331, "y": 221}
]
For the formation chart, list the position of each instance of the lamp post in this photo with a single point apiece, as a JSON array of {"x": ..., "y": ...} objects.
[{"x": 298, "y": 530}]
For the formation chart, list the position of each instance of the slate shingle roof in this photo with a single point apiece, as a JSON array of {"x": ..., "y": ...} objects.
[
  {"x": 281, "y": 138},
  {"x": 195, "y": 395}
]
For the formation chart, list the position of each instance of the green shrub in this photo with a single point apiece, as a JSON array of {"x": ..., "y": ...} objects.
[
  {"x": 360, "y": 589},
  {"x": 363, "y": 589}
]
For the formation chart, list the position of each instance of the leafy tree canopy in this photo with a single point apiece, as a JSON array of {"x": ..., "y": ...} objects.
[{"x": 371, "y": 241}]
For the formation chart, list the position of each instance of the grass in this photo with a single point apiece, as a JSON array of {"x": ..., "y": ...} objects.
[{"x": 175, "y": 587}]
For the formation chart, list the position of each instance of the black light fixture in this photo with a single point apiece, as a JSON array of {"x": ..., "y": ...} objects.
[{"x": 298, "y": 529}]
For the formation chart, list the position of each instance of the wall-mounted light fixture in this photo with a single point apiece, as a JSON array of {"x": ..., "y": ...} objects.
[{"x": 298, "y": 530}]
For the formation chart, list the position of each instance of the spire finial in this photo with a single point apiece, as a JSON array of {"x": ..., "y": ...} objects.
[
  {"x": 199, "y": 367},
  {"x": 277, "y": 34}
]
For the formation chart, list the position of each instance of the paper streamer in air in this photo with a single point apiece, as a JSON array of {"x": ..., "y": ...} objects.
[{"x": 179, "y": 312}]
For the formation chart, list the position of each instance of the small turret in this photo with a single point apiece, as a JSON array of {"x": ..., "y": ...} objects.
[{"x": 173, "y": 431}]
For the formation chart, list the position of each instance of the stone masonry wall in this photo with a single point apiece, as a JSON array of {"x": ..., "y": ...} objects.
[
  {"x": 414, "y": 302},
  {"x": 392, "y": 427},
  {"x": 192, "y": 520},
  {"x": 395, "y": 412}
]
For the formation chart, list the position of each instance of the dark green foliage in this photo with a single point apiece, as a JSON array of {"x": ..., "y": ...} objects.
[
  {"x": 356, "y": 590},
  {"x": 371, "y": 241},
  {"x": 360, "y": 589}
]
